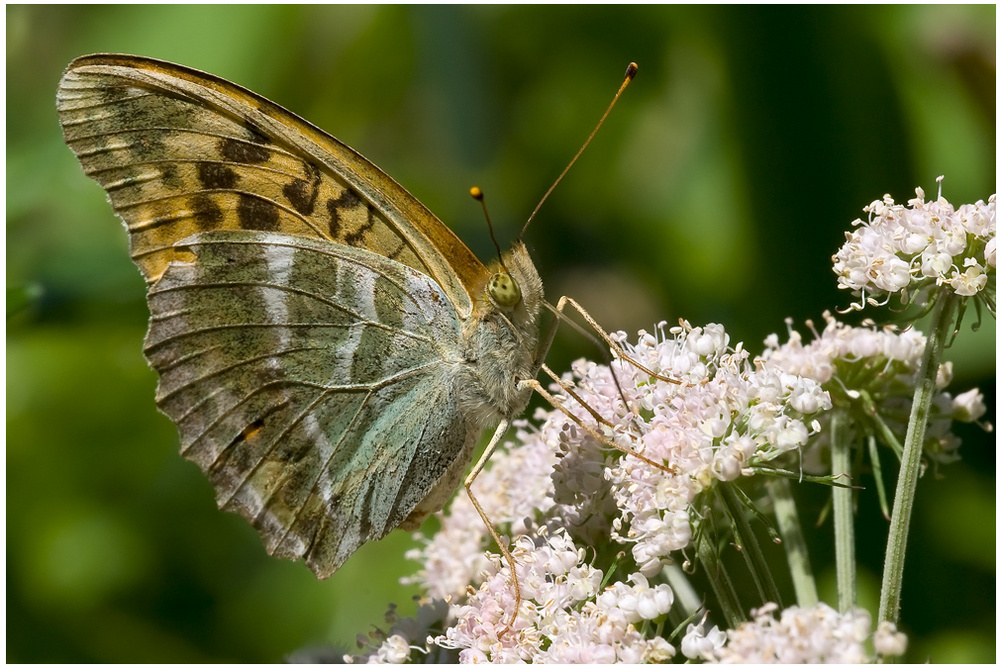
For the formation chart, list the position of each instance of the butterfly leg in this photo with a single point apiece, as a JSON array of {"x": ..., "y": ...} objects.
[
  {"x": 568, "y": 389},
  {"x": 615, "y": 348},
  {"x": 497, "y": 435},
  {"x": 555, "y": 402},
  {"x": 612, "y": 345}
]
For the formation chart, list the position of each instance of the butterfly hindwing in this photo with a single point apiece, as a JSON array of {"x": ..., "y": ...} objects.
[{"x": 306, "y": 381}]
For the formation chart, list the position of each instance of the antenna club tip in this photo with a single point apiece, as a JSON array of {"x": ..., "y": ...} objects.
[
  {"x": 476, "y": 193},
  {"x": 631, "y": 70}
]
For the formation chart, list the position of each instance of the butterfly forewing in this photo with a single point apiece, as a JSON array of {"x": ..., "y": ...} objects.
[{"x": 181, "y": 151}]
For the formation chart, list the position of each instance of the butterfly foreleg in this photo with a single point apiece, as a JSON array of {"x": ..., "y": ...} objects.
[
  {"x": 612, "y": 344},
  {"x": 557, "y": 403},
  {"x": 494, "y": 441}
]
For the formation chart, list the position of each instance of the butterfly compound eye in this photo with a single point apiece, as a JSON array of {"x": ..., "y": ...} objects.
[{"x": 504, "y": 289}]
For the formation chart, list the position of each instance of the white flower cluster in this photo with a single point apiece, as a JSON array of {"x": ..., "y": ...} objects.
[
  {"x": 801, "y": 635},
  {"x": 904, "y": 248},
  {"x": 564, "y": 616},
  {"x": 725, "y": 415},
  {"x": 516, "y": 485},
  {"x": 561, "y": 489},
  {"x": 563, "y": 496},
  {"x": 685, "y": 412},
  {"x": 881, "y": 362},
  {"x": 855, "y": 354}
]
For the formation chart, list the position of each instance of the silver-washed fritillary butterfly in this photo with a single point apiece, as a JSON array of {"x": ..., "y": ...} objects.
[{"x": 329, "y": 350}]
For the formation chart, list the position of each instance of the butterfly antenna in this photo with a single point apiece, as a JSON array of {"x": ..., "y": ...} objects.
[
  {"x": 479, "y": 196},
  {"x": 630, "y": 72}
]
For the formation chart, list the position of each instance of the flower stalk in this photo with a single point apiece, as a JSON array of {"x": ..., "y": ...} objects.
[
  {"x": 843, "y": 511},
  {"x": 718, "y": 579},
  {"x": 941, "y": 328},
  {"x": 794, "y": 542},
  {"x": 749, "y": 547}
]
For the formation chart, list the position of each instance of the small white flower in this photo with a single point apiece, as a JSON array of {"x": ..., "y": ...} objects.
[
  {"x": 650, "y": 603},
  {"x": 934, "y": 263},
  {"x": 945, "y": 374},
  {"x": 726, "y": 465},
  {"x": 888, "y": 641},
  {"x": 396, "y": 649},
  {"x": 697, "y": 644},
  {"x": 918, "y": 245},
  {"x": 968, "y": 406},
  {"x": 907, "y": 347},
  {"x": 970, "y": 281}
]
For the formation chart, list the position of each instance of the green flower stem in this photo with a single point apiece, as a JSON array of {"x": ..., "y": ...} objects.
[
  {"x": 787, "y": 516},
  {"x": 883, "y": 430},
  {"x": 843, "y": 511},
  {"x": 883, "y": 499},
  {"x": 941, "y": 326},
  {"x": 718, "y": 579},
  {"x": 747, "y": 540}
]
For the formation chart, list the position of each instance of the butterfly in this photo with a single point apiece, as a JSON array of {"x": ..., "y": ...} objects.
[{"x": 329, "y": 350}]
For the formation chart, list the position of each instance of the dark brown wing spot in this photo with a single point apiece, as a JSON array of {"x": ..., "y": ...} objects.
[
  {"x": 238, "y": 150},
  {"x": 215, "y": 176},
  {"x": 257, "y": 214},
  {"x": 396, "y": 252},
  {"x": 257, "y": 136},
  {"x": 207, "y": 214},
  {"x": 302, "y": 193},
  {"x": 170, "y": 177},
  {"x": 111, "y": 93},
  {"x": 347, "y": 200},
  {"x": 149, "y": 145},
  {"x": 356, "y": 237}
]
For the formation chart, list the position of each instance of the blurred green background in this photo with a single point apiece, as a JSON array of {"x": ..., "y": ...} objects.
[{"x": 717, "y": 192}]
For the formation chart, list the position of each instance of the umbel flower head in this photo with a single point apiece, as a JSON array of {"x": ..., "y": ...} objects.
[
  {"x": 903, "y": 249},
  {"x": 596, "y": 532},
  {"x": 593, "y": 527},
  {"x": 818, "y": 634},
  {"x": 870, "y": 372}
]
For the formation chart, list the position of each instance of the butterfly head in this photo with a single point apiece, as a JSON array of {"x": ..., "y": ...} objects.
[
  {"x": 503, "y": 289},
  {"x": 514, "y": 285},
  {"x": 502, "y": 338}
]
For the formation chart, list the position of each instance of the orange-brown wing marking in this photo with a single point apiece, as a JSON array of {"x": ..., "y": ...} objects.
[{"x": 181, "y": 151}]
